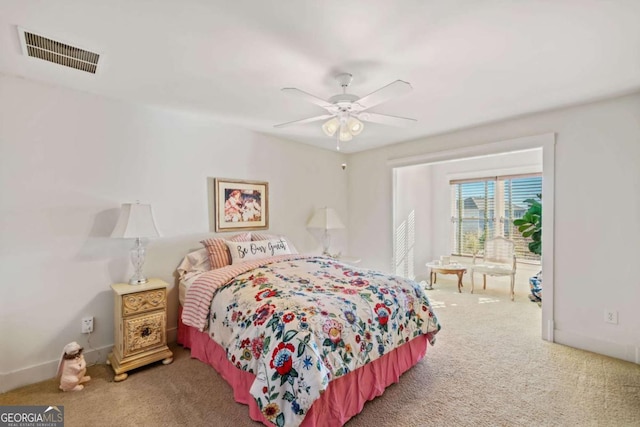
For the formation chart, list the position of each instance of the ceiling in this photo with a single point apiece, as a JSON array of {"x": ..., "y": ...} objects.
[{"x": 468, "y": 61}]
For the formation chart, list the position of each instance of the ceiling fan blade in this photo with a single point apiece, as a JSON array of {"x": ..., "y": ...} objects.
[
  {"x": 307, "y": 97},
  {"x": 386, "y": 119},
  {"x": 383, "y": 94},
  {"x": 308, "y": 120}
]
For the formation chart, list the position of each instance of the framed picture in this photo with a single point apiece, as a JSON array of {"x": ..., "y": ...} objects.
[{"x": 240, "y": 205}]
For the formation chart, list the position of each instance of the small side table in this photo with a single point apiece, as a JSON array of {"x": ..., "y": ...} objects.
[
  {"x": 140, "y": 326},
  {"x": 435, "y": 267}
]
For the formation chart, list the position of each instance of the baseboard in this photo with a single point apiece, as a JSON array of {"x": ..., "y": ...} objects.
[
  {"x": 48, "y": 370},
  {"x": 626, "y": 352},
  {"x": 172, "y": 335}
]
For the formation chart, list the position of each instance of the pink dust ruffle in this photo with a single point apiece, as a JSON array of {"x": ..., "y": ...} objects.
[{"x": 343, "y": 398}]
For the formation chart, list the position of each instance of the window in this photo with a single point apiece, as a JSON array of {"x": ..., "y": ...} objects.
[
  {"x": 473, "y": 215},
  {"x": 474, "y": 206}
]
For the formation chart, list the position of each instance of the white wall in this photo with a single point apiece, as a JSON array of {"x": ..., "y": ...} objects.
[
  {"x": 69, "y": 159},
  {"x": 425, "y": 190},
  {"x": 596, "y": 202}
]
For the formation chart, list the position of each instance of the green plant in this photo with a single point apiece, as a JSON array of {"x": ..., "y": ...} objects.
[
  {"x": 530, "y": 225},
  {"x": 472, "y": 242}
]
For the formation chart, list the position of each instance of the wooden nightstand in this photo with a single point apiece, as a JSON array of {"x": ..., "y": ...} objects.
[{"x": 140, "y": 327}]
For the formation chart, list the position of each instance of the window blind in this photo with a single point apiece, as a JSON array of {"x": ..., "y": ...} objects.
[
  {"x": 473, "y": 215},
  {"x": 486, "y": 207},
  {"x": 516, "y": 191}
]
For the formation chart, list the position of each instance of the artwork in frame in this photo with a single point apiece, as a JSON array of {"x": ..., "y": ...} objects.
[{"x": 240, "y": 205}]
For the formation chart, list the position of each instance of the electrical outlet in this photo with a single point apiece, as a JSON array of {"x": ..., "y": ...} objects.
[
  {"x": 87, "y": 325},
  {"x": 611, "y": 316}
]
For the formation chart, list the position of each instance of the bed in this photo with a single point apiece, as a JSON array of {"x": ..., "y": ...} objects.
[{"x": 302, "y": 340}]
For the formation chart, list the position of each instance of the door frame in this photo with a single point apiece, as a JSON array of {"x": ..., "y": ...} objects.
[{"x": 547, "y": 143}]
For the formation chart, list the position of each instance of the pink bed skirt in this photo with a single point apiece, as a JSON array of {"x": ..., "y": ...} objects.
[{"x": 343, "y": 398}]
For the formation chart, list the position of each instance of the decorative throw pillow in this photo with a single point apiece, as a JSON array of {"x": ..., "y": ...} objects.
[
  {"x": 248, "y": 251},
  {"x": 260, "y": 236},
  {"x": 219, "y": 252},
  {"x": 196, "y": 261},
  {"x": 242, "y": 237}
]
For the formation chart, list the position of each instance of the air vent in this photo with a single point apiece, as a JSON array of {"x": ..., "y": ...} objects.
[{"x": 57, "y": 52}]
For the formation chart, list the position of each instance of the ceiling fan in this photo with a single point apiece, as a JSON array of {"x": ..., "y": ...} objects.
[{"x": 346, "y": 112}]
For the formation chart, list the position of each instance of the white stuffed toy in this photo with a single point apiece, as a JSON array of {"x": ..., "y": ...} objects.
[{"x": 72, "y": 368}]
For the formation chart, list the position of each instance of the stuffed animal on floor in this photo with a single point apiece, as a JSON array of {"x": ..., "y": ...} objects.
[{"x": 72, "y": 368}]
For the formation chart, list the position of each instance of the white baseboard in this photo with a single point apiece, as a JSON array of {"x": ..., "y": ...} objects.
[
  {"x": 629, "y": 353},
  {"x": 47, "y": 370}
]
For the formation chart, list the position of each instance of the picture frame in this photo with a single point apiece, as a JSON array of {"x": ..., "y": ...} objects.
[{"x": 240, "y": 205}]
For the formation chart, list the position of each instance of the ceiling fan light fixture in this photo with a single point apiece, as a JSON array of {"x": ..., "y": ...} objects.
[
  {"x": 355, "y": 126},
  {"x": 330, "y": 127},
  {"x": 345, "y": 113},
  {"x": 345, "y": 135}
]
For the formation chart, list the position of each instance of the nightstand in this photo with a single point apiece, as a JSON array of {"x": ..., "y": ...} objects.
[{"x": 140, "y": 326}]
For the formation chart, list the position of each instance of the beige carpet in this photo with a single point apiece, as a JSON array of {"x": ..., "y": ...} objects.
[{"x": 489, "y": 367}]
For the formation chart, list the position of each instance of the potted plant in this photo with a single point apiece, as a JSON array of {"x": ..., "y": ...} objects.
[{"x": 530, "y": 225}]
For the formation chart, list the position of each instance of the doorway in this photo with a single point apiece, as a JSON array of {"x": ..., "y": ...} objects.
[{"x": 422, "y": 205}]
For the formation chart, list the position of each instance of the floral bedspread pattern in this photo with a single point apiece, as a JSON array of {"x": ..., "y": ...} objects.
[
  {"x": 298, "y": 324},
  {"x": 197, "y": 301}
]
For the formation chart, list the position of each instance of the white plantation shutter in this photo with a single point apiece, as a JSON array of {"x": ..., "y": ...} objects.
[
  {"x": 473, "y": 217},
  {"x": 486, "y": 207},
  {"x": 404, "y": 247},
  {"x": 516, "y": 191}
]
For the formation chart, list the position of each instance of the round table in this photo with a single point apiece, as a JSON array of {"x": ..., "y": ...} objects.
[{"x": 435, "y": 267}]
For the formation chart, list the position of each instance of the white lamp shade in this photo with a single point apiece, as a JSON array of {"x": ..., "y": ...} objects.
[
  {"x": 325, "y": 219},
  {"x": 136, "y": 220}
]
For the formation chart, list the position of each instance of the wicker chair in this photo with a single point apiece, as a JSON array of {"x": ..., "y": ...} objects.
[{"x": 498, "y": 259}]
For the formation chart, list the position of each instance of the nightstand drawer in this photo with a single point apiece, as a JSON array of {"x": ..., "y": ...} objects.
[
  {"x": 142, "y": 333},
  {"x": 141, "y": 302}
]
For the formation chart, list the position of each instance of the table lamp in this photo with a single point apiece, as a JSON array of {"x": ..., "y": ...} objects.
[
  {"x": 325, "y": 219},
  {"x": 136, "y": 221}
]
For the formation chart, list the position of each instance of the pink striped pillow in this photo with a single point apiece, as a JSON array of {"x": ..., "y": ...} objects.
[
  {"x": 260, "y": 236},
  {"x": 219, "y": 255}
]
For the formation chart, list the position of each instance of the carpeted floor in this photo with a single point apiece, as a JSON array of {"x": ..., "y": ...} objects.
[{"x": 489, "y": 367}]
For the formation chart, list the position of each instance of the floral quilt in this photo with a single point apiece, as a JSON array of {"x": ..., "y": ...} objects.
[{"x": 298, "y": 324}]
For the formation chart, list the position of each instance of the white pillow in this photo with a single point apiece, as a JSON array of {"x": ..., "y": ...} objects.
[
  {"x": 248, "y": 251},
  {"x": 261, "y": 236},
  {"x": 196, "y": 261}
]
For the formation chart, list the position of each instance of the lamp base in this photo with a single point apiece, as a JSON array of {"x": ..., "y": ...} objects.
[
  {"x": 137, "y": 259},
  {"x": 138, "y": 281},
  {"x": 326, "y": 241}
]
